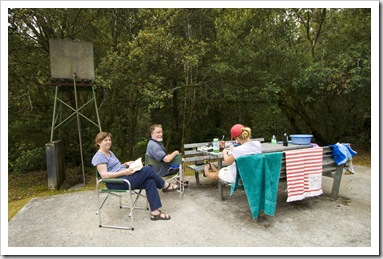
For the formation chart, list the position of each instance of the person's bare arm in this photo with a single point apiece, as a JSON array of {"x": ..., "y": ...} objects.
[
  {"x": 103, "y": 171},
  {"x": 228, "y": 159},
  {"x": 170, "y": 157}
]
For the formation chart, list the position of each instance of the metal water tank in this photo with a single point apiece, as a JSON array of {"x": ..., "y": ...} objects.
[
  {"x": 55, "y": 155},
  {"x": 68, "y": 57}
]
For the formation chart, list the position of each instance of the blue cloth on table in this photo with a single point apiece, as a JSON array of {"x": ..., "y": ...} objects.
[
  {"x": 260, "y": 178},
  {"x": 342, "y": 153}
]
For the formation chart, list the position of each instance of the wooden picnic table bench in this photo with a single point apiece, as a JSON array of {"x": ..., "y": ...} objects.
[
  {"x": 329, "y": 169},
  {"x": 194, "y": 156}
]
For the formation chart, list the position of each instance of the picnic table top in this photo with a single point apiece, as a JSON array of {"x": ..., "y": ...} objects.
[{"x": 269, "y": 148}]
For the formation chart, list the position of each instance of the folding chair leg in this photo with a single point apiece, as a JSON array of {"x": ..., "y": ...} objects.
[
  {"x": 133, "y": 201},
  {"x": 133, "y": 204},
  {"x": 182, "y": 181},
  {"x": 98, "y": 212}
]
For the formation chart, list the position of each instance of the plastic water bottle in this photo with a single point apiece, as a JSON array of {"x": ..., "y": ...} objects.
[
  {"x": 215, "y": 145},
  {"x": 273, "y": 140}
]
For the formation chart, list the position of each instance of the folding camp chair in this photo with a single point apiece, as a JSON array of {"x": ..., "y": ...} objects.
[
  {"x": 177, "y": 177},
  {"x": 132, "y": 196}
]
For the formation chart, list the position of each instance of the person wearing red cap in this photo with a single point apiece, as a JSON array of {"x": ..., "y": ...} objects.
[{"x": 242, "y": 135}]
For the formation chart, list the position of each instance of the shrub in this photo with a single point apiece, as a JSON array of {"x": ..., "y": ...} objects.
[{"x": 29, "y": 160}]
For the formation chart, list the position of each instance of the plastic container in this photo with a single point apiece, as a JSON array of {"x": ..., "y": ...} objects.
[
  {"x": 301, "y": 139},
  {"x": 273, "y": 140},
  {"x": 215, "y": 146}
]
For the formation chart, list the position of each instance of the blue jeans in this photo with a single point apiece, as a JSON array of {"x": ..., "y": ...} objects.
[{"x": 146, "y": 179}]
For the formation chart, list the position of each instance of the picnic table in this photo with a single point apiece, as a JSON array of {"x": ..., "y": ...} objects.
[
  {"x": 266, "y": 148},
  {"x": 330, "y": 168},
  {"x": 195, "y": 158}
]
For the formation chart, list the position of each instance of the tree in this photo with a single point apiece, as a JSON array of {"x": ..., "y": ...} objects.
[{"x": 196, "y": 71}]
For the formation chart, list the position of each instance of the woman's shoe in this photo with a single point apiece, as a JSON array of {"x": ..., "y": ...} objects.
[
  {"x": 171, "y": 188},
  {"x": 160, "y": 216}
]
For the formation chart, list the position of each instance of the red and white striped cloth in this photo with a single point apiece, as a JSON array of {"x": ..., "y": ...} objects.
[{"x": 304, "y": 173}]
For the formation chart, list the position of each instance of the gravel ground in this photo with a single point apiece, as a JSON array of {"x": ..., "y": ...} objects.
[{"x": 201, "y": 224}]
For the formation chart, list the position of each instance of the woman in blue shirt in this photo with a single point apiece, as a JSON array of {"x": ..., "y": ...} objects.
[{"x": 109, "y": 166}]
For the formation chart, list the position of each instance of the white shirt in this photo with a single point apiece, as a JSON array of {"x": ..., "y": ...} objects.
[{"x": 248, "y": 148}]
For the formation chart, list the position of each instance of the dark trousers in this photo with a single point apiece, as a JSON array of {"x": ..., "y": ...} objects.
[{"x": 146, "y": 179}]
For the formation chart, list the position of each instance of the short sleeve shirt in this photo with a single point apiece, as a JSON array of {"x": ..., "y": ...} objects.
[
  {"x": 112, "y": 162},
  {"x": 248, "y": 148},
  {"x": 157, "y": 151}
]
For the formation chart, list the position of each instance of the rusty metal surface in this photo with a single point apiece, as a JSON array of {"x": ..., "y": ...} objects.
[{"x": 69, "y": 57}]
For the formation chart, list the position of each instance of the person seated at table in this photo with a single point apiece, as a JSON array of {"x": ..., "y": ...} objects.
[
  {"x": 108, "y": 166},
  {"x": 155, "y": 149},
  {"x": 242, "y": 135}
]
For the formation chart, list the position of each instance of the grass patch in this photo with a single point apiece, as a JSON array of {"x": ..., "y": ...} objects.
[
  {"x": 363, "y": 157},
  {"x": 23, "y": 187},
  {"x": 16, "y": 206}
]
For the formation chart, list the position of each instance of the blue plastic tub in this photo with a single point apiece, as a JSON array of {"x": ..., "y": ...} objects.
[{"x": 301, "y": 139}]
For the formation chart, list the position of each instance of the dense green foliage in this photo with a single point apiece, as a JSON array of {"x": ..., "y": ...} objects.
[{"x": 195, "y": 71}]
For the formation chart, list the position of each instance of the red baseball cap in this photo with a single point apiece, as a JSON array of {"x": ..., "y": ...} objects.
[{"x": 236, "y": 130}]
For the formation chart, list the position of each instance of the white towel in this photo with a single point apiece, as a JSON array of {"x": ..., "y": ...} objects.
[{"x": 304, "y": 173}]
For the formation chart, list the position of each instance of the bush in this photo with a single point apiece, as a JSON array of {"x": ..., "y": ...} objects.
[
  {"x": 29, "y": 160},
  {"x": 139, "y": 149}
]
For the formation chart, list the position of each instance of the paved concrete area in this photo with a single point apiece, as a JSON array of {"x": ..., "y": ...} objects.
[{"x": 202, "y": 224}]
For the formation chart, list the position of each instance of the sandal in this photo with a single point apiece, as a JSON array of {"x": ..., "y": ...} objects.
[
  {"x": 160, "y": 216},
  {"x": 168, "y": 189}
]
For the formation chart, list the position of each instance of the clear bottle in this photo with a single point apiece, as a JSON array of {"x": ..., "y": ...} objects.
[
  {"x": 223, "y": 145},
  {"x": 273, "y": 140},
  {"x": 215, "y": 145},
  {"x": 285, "y": 139}
]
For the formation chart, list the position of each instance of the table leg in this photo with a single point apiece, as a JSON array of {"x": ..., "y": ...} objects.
[{"x": 219, "y": 163}]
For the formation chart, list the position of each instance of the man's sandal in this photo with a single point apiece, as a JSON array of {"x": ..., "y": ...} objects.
[
  {"x": 160, "y": 216},
  {"x": 173, "y": 188}
]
